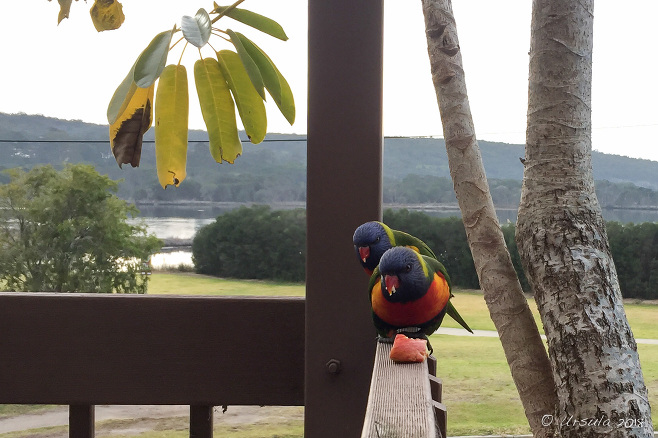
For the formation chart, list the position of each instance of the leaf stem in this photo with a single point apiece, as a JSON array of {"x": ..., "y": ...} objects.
[
  {"x": 226, "y": 11},
  {"x": 182, "y": 53},
  {"x": 174, "y": 45}
]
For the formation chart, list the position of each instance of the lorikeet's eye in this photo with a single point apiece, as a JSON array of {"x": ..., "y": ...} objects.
[
  {"x": 377, "y": 239},
  {"x": 408, "y": 268}
]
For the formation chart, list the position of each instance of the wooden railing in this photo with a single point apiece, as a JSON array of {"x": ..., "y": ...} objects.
[
  {"x": 84, "y": 350},
  {"x": 404, "y": 400}
]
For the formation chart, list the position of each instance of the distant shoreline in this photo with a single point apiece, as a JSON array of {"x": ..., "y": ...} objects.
[{"x": 301, "y": 204}]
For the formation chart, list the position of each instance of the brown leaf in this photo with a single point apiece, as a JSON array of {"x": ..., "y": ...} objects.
[
  {"x": 107, "y": 15},
  {"x": 127, "y": 132},
  {"x": 64, "y": 8}
]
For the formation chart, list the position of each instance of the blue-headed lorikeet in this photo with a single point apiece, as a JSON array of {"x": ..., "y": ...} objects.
[
  {"x": 409, "y": 293},
  {"x": 372, "y": 239}
]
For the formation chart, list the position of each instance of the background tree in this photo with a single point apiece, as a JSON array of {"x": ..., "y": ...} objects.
[
  {"x": 67, "y": 231},
  {"x": 507, "y": 305},
  {"x": 562, "y": 238}
]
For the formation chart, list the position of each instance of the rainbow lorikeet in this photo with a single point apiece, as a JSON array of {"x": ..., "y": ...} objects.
[
  {"x": 373, "y": 239},
  {"x": 409, "y": 294}
]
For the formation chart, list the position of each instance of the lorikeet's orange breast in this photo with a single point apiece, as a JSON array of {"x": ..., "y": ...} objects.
[{"x": 414, "y": 312}]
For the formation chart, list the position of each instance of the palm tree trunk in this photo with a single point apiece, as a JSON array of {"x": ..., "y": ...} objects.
[
  {"x": 562, "y": 238},
  {"x": 507, "y": 305}
]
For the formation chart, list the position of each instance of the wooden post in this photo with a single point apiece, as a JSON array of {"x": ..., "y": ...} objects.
[
  {"x": 81, "y": 421},
  {"x": 344, "y": 189},
  {"x": 201, "y": 421}
]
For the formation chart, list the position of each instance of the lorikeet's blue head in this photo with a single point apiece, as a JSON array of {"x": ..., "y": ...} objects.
[
  {"x": 404, "y": 275},
  {"x": 371, "y": 241}
]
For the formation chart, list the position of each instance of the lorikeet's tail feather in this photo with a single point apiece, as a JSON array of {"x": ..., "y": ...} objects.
[{"x": 456, "y": 316}]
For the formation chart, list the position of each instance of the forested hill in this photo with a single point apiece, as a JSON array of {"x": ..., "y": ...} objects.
[
  {"x": 502, "y": 161},
  {"x": 275, "y": 170}
]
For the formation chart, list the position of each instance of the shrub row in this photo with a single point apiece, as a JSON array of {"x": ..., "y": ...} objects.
[
  {"x": 260, "y": 243},
  {"x": 255, "y": 242}
]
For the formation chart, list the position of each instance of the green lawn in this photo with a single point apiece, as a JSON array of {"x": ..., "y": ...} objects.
[
  {"x": 470, "y": 303},
  {"x": 479, "y": 392},
  {"x": 192, "y": 284}
]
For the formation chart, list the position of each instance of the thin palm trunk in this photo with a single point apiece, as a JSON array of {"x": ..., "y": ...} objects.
[
  {"x": 507, "y": 305},
  {"x": 562, "y": 238}
]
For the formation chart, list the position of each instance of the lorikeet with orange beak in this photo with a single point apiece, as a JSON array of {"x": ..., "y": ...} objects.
[
  {"x": 373, "y": 239},
  {"x": 409, "y": 293}
]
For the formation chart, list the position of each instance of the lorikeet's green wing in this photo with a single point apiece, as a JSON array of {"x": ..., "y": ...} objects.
[
  {"x": 450, "y": 309},
  {"x": 404, "y": 239}
]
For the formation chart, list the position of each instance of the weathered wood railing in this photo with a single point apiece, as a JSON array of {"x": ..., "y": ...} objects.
[
  {"x": 404, "y": 400},
  {"x": 84, "y": 350}
]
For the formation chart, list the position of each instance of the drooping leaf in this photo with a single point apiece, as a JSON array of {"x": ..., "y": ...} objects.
[
  {"x": 248, "y": 63},
  {"x": 152, "y": 60},
  {"x": 64, "y": 9},
  {"x": 121, "y": 97},
  {"x": 171, "y": 115},
  {"x": 196, "y": 29},
  {"x": 274, "y": 81},
  {"x": 218, "y": 110},
  {"x": 254, "y": 20},
  {"x": 107, "y": 15},
  {"x": 250, "y": 104},
  {"x": 127, "y": 131}
]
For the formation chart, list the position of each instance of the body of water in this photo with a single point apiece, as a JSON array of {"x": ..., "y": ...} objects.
[{"x": 178, "y": 222}]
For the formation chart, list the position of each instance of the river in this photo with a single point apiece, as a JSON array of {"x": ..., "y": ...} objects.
[{"x": 181, "y": 222}]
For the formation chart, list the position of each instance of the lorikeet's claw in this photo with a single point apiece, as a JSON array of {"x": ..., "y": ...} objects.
[{"x": 384, "y": 339}]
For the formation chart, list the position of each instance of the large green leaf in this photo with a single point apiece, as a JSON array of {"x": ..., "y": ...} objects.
[
  {"x": 250, "y": 104},
  {"x": 254, "y": 20},
  {"x": 249, "y": 64},
  {"x": 274, "y": 81},
  {"x": 152, "y": 60},
  {"x": 171, "y": 114},
  {"x": 196, "y": 29},
  {"x": 121, "y": 97},
  {"x": 218, "y": 110}
]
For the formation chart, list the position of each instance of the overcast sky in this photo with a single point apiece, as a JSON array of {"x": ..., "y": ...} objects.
[{"x": 70, "y": 71}]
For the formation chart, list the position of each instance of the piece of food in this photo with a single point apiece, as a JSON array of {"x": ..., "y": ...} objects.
[{"x": 408, "y": 350}]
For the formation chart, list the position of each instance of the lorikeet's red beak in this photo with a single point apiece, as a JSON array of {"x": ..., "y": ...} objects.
[
  {"x": 392, "y": 283},
  {"x": 364, "y": 253}
]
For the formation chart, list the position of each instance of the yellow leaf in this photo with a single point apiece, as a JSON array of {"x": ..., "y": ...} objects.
[
  {"x": 171, "y": 114},
  {"x": 127, "y": 131},
  {"x": 107, "y": 15},
  {"x": 250, "y": 105},
  {"x": 218, "y": 110}
]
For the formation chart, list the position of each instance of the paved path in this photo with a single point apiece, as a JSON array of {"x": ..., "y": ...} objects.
[
  {"x": 494, "y": 334},
  {"x": 59, "y": 416}
]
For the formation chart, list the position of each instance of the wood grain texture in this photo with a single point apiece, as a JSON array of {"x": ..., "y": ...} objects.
[{"x": 400, "y": 401}]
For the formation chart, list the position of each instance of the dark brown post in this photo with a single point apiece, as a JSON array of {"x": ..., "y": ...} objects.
[
  {"x": 81, "y": 421},
  {"x": 344, "y": 190},
  {"x": 201, "y": 421}
]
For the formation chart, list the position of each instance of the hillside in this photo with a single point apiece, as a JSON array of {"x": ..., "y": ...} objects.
[{"x": 415, "y": 169}]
